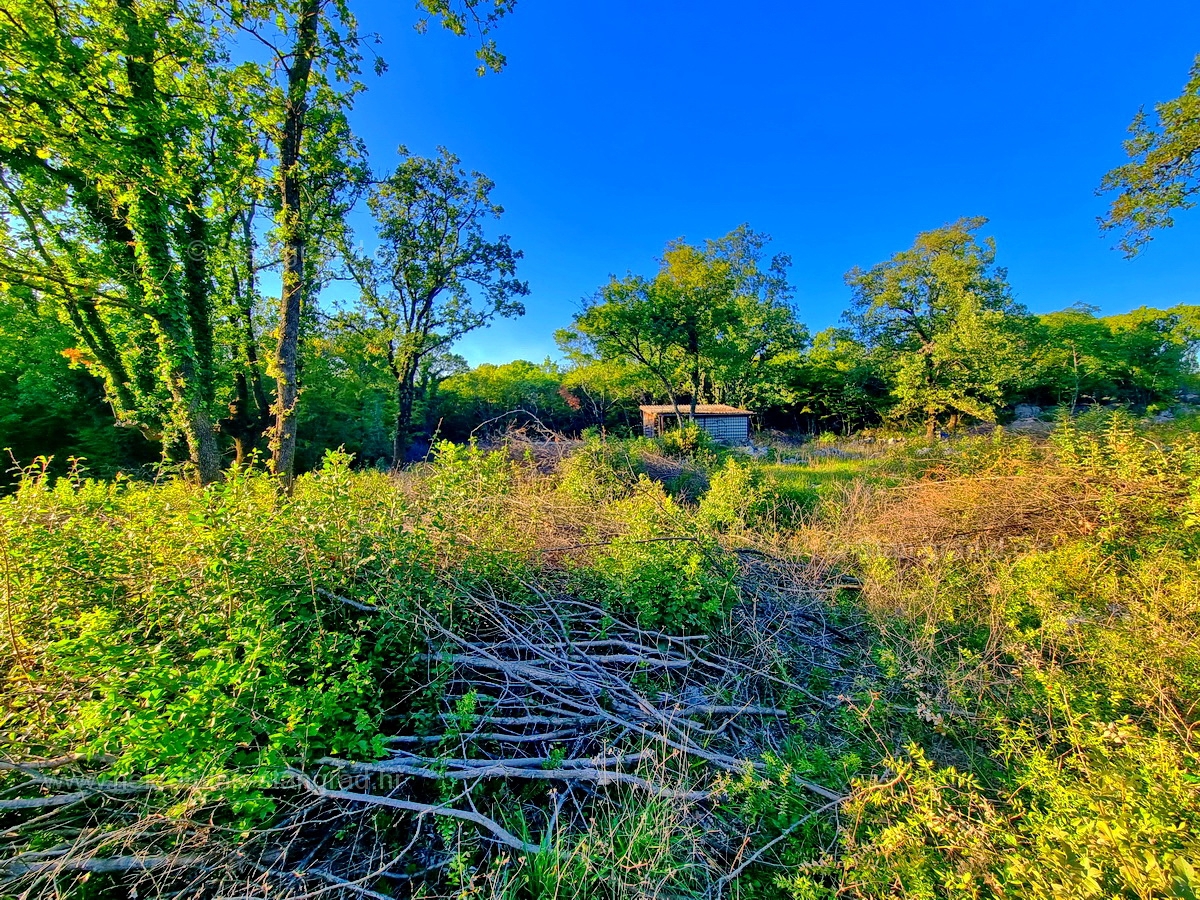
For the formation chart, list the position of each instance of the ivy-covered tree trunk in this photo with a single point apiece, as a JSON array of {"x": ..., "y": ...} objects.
[
  {"x": 294, "y": 240},
  {"x": 406, "y": 393},
  {"x": 177, "y": 330},
  {"x": 197, "y": 293}
]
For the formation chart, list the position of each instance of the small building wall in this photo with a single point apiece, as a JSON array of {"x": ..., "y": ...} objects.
[{"x": 725, "y": 429}]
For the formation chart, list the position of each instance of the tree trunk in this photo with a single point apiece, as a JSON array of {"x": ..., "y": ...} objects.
[
  {"x": 197, "y": 294},
  {"x": 294, "y": 240},
  {"x": 694, "y": 352},
  {"x": 246, "y": 427},
  {"x": 405, "y": 396},
  {"x": 150, "y": 221},
  {"x": 242, "y": 425},
  {"x": 930, "y": 385},
  {"x": 1075, "y": 374}
]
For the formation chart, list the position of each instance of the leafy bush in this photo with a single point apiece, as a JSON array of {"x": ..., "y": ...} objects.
[
  {"x": 599, "y": 471},
  {"x": 195, "y": 634},
  {"x": 688, "y": 440},
  {"x": 661, "y": 568},
  {"x": 1005, "y": 693},
  {"x": 1050, "y": 678},
  {"x": 736, "y": 498}
]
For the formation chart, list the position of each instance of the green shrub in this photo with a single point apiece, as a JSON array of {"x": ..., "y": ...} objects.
[
  {"x": 194, "y": 635},
  {"x": 736, "y": 498},
  {"x": 687, "y": 440},
  {"x": 600, "y": 471},
  {"x": 661, "y": 568}
]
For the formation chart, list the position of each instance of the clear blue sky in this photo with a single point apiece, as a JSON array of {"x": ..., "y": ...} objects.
[{"x": 841, "y": 129}]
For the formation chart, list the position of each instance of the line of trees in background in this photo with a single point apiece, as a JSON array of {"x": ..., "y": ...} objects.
[
  {"x": 933, "y": 337},
  {"x": 175, "y": 182}
]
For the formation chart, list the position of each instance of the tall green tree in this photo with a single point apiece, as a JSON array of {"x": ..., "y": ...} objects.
[
  {"x": 1074, "y": 358},
  {"x": 435, "y": 275},
  {"x": 1163, "y": 172},
  {"x": 139, "y": 164},
  {"x": 942, "y": 321},
  {"x": 1140, "y": 357},
  {"x": 301, "y": 92},
  {"x": 839, "y": 384},
  {"x": 1157, "y": 350},
  {"x": 112, "y": 148},
  {"x": 710, "y": 325},
  {"x": 315, "y": 54}
]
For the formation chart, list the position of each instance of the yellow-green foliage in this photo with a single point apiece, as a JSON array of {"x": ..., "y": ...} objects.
[
  {"x": 1051, "y": 684},
  {"x": 687, "y": 440},
  {"x": 736, "y": 498},
  {"x": 191, "y": 633},
  {"x": 599, "y": 471},
  {"x": 218, "y": 635},
  {"x": 662, "y": 567}
]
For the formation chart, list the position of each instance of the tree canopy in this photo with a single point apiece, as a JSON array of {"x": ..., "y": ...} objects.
[
  {"x": 1163, "y": 172},
  {"x": 943, "y": 322},
  {"x": 711, "y": 325},
  {"x": 435, "y": 275},
  {"x": 151, "y": 169}
]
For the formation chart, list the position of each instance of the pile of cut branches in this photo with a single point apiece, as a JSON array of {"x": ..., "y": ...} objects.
[{"x": 551, "y": 710}]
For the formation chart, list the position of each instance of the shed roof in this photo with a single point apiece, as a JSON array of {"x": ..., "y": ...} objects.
[{"x": 702, "y": 409}]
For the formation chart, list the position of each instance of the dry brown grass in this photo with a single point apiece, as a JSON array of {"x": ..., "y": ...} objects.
[{"x": 982, "y": 512}]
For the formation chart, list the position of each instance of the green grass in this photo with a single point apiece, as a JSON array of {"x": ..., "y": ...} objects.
[{"x": 823, "y": 472}]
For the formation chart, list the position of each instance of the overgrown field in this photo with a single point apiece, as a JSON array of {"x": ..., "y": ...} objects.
[{"x": 646, "y": 669}]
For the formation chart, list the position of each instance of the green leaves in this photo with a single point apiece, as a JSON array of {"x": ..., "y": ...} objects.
[
  {"x": 137, "y": 157},
  {"x": 942, "y": 323},
  {"x": 711, "y": 325},
  {"x": 119, "y": 138},
  {"x": 1141, "y": 357},
  {"x": 183, "y": 631},
  {"x": 1163, "y": 172},
  {"x": 435, "y": 275},
  {"x": 464, "y": 17}
]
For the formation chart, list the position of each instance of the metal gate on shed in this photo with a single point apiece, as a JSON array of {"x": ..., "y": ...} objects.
[{"x": 726, "y": 429}]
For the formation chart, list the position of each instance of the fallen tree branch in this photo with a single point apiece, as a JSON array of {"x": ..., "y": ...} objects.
[
  {"x": 56, "y": 762},
  {"x": 47, "y": 801},
  {"x": 502, "y": 834},
  {"x": 500, "y": 769},
  {"x": 353, "y": 604},
  {"x": 102, "y": 865},
  {"x": 523, "y": 762}
]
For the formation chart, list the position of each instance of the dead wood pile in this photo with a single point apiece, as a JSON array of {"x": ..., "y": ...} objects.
[{"x": 551, "y": 707}]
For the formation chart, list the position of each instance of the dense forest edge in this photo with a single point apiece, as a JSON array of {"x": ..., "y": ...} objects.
[{"x": 934, "y": 339}]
